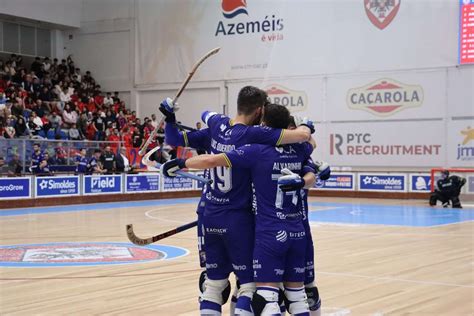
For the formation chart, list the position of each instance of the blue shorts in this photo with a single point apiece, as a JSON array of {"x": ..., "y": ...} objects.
[
  {"x": 229, "y": 240},
  {"x": 309, "y": 257},
  {"x": 279, "y": 256}
]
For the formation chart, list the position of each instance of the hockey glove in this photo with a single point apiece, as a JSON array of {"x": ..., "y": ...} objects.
[
  {"x": 169, "y": 168},
  {"x": 290, "y": 181},
  {"x": 168, "y": 108}
]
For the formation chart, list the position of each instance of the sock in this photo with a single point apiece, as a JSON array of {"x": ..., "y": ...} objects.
[
  {"x": 296, "y": 297},
  {"x": 208, "y": 308}
]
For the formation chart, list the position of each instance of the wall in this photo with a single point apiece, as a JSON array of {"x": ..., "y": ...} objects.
[
  {"x": 323, "y": 59},
  {"x": 61, "y": 12}
]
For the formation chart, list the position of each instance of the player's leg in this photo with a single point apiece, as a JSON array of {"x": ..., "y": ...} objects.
[
  {"x": 295, "y": 270},
  {"x": 240, "y": 238},
  {"x": 268, "y": 265},
  {"x": 216, "y": 285},
  {"x": 311, "y": 289}
]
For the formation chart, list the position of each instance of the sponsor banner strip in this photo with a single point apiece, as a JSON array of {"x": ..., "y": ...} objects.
[
  {"x": 140, "y": 187},
  {"x": 56, "y": 179},
  {"x": 419, "y": 182},
  {"x": 382, "y": 182},
  {"x": 104, "y": 188},
  {"x": 339, "y": 181},
  {"x": 11, "y": 186}
]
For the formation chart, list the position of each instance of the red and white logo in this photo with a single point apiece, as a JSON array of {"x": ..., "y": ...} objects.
[
  {"x": 294, "y": 100},
  {"x": 381, "y": 12},
  {"x": 385, "y": 97}
]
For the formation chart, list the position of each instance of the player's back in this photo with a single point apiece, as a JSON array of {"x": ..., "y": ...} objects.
[
  {"x": 275, "y": 208},
  {"x": 231, "y": 188}
]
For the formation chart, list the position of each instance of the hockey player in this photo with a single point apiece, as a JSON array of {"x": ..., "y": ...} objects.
[
  {"x": 448, "y": 189},
  {"x": 228, "y": 220},
  {"x": 280, "y": 242}
]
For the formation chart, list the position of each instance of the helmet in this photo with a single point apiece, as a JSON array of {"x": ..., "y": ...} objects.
[{"x": 444, "y": 174}]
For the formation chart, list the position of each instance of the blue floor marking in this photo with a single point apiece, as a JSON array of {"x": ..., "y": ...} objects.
[
  {"x": 95, "y": 206},
  {"x": 392, "y": 215}
]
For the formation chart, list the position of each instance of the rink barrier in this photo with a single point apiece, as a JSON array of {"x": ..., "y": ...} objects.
[{"x": 32, "y": 191}]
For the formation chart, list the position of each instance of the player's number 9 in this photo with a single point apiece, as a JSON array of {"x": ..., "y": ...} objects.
[{"x": 224, "y": 177}]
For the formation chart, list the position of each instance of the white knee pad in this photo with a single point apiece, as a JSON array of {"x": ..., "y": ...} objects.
[
  {"x": 297, "y": 300},
  {"x": 213, "y": 290},
  {"x": 246, "y": 289},
  {"x": 265, "y": 302}
]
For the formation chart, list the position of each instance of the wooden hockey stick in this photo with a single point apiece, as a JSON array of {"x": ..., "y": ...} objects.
[
  {"x": 146, "y": 241},
  {"x": 147, "y": 162},
  {"x": 150, "y": 138}
]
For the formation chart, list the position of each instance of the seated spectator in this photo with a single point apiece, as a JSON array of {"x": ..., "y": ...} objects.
[
  {"x": 122, "y": 162},
  {"x": 50, "y": 160},
  {"x": 69, "y": 115},
  {"x": 448, "y": 190},
  {"x": 94, "y": 165},
  {"x": 15, "y": 166},
  {"x": 60, "y": 155},
  {"x": 9, "y": 132},
  {"x": 36, "y": 157},
  {"x": 74, "y": 133},
  {"x": 3, "y": 166},
  {"x": 34, "y": 126},
  {"x": 43, "y": 169},
  {"x": 114, "y": 139},
  {"x": 108, "y": 160},
  {"x": 81, "y": 161},
  {"x": 21, "y": 130},
  {"x": 108, "y": 100},
  {"x": 56, "y": 121}
]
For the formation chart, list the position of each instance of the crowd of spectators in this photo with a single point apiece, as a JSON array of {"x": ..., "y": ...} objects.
[{"x": 56, "y": 100}]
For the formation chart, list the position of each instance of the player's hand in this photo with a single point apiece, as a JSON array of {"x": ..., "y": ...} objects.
[
  {"x": 290, "y": 181},
  {"x": 304, "y": 121},
  {"x": 323, "y": 170},
  {"x": 168, "y": 108},
  {"x": 169, "y": 168}
]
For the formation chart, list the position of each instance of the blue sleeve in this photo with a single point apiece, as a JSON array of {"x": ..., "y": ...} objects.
[
  {"x": 309, "y": 166},
  {"x": 208, "y": 116},
  {"x": 264, "y": 135},
  {"x": 198, "y": 139},
  {"x": 243, "y": 157},
  {"x": 172, "y": 135}
]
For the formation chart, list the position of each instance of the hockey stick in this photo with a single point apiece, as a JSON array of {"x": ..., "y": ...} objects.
[
  {"x": 150, "y": 138},
  {"x": 147, "y": 162},
  {"x": 146, "y": 241}
]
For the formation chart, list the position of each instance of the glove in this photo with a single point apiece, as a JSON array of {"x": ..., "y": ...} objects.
[
  {"x": 169, "y": 168},
  {"x": 168, "y": 108},
  {"x": 305, "y": 122},
  {"x": 323, "y": 170},
  {"x": 290, "y": 181}
]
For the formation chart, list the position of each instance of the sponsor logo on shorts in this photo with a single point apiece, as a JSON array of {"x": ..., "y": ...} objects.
[
  {"x": 256, "y": 264},
  {"x": 279, "y": 271},
  {"x": 219, "y": 231},
  {"x": 212, "y": 265},
  {"x": 281, "y": 236},
  {"x": 242, "y": 267},
  {"x": 297, "y": 235},
  {"x": 381, "y": 12},
  {"x": 300, "y": 270}
]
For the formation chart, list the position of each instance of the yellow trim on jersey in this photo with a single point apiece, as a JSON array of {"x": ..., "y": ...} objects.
[
  {"x": 280, "y": 138},
  {"x": 231, "y": 122},
  {"x": 227, "y": 160},
  {"x": 186, "y": 142}
]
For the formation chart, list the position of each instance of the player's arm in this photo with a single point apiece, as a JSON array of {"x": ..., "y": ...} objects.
[
  {"x": 309, "y": 180},
  {"x": 194, "y": 139}
]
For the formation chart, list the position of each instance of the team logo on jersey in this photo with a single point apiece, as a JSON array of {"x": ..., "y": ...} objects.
[
  {"x": 465, "y": 149},
  {"x": 385, "y": 97},
  {"x": 281, "y": 236},
  {"x": 232, "y": 8},
  {"x": 84, "y": 254},
  {"x": 381, "y": 12},
  {"x": 294, "y": 100}
]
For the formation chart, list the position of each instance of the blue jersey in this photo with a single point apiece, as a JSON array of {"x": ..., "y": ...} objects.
[
  {"x": 82, "y": 164},
  {"x": 231, "y": 187},
  {"x": 275, "y": 209},
  {"x": 91, "y": 164},
  {"x": 35, "y": 161},
  {"x": 196, "y": 139}
]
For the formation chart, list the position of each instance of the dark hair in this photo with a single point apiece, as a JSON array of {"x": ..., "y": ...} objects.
[
  {"x": 37, "y": 144},
  {"x": 292, "y": 121},
  {"x": 97, "y": 151},
  {"x": 250, "y": 98},
  {"x": 276, "y": 116}
]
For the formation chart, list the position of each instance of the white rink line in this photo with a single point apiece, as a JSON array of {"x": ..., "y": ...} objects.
[
  {"x": 381, "y": 278},
  {"x": 148, "y": 214}
]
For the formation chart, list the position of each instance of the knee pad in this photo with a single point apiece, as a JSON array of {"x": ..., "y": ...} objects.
[
  {"x": 456, "y": 202},
  {"x": 247, "y": 289},
  {"x": 202, "y": 279},
  {"x": 312, "y": 294},
  {"x": 217, "y": 291},
  {"x": 296, "y": 301},
  {"x": 261, "y": 306},
  {"x": 433, "y": 199}
]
